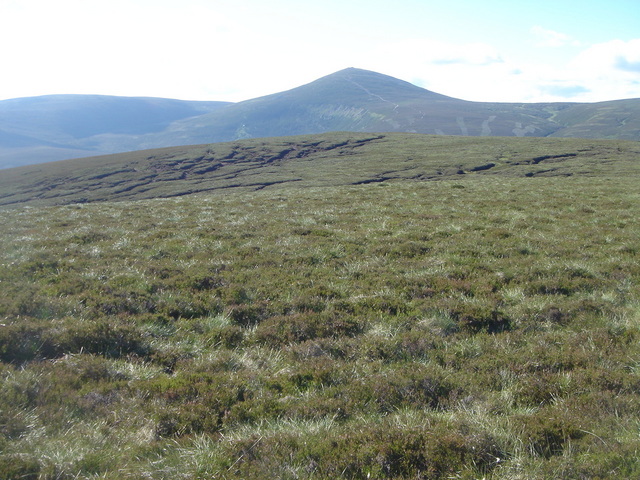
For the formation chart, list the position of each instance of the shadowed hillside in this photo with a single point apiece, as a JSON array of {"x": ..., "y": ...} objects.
[
  {"x": 55, "y": 127},
  {"x": 35, "y": 130}
]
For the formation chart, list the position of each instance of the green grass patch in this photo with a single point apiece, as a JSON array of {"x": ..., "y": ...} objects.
[{"x": 480, "y": 327}]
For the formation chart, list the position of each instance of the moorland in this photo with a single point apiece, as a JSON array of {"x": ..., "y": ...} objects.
[{"x": 335, "y": 306}]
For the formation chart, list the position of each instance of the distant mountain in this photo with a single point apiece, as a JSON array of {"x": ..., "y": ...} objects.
[
  {"x": 55, "y": 127},
  {"x": 40, "y": 129}
]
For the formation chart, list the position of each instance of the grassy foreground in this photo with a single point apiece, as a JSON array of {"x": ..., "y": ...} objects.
[{"x": 477, "y": 327}]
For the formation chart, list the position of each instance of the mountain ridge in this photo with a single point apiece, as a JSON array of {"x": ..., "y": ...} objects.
[
  {"x": 72, "y": 126},
  {"x": 356, "y": 100}
]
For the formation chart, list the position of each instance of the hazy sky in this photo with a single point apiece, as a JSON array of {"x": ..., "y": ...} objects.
[{"x": 483, "y": 50}]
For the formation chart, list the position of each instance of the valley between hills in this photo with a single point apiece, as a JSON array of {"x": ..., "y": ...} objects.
[{"x": 336, "y": 305}]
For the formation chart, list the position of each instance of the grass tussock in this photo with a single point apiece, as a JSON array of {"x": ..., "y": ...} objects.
[{"x": 478, "y": 328}]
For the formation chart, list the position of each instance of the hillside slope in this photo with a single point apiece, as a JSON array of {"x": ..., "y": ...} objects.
[
  {"x": 309, "y": 161},
  {"x": 40, "y": 129},
  {"x": 375, "y": 324},
  {"x": 55, "y": 127},
  {"x": 618, "y": 119},
  {"x": 363, "y": 101}
]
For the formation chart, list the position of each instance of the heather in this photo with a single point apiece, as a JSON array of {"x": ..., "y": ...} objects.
[{"x": 481, "y": 326}]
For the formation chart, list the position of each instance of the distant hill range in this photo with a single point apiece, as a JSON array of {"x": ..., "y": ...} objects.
[{"x": 42, "y": 129}]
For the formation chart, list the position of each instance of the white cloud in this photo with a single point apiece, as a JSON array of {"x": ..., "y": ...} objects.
[
  {"x": 610, "y": 70},
  {"x": 224, "y": 50},
  {"x": 471, "y": 71},
  {"x": 616, "y": 54},
  {"x": 550, "y": 38},
  {"x": 430, "y": 51},
  {"x": 121, "y": 47},
  {"x": 563, "y": 90},
  {"x": 481, "y": 72}
]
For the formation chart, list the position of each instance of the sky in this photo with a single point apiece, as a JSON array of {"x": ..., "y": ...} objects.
[{"x": 234, "y": 50}]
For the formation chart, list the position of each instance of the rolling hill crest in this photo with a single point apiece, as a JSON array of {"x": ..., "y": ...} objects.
[{"x": 41, "y": 129}]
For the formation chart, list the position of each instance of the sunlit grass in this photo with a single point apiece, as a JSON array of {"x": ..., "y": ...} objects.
[{"x": 487, "y": 325}]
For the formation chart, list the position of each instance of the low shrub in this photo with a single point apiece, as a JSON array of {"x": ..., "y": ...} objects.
[
  {"x": 19, "y": 467},
  {"x": 384, "y": 451},
  {"x": 102, "y": 337},
  {"x": 193, "y": 402},
  {"x": 476, "y": 317},
  {"x": 407, "y": 386},
  {"x": 20, "y": 342},
  {"x": 301, "y": 327},
  {"x": 248, "y": 314},
  {"x": 547, "y": 431},
  {"x": 230, "y": 336}
]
